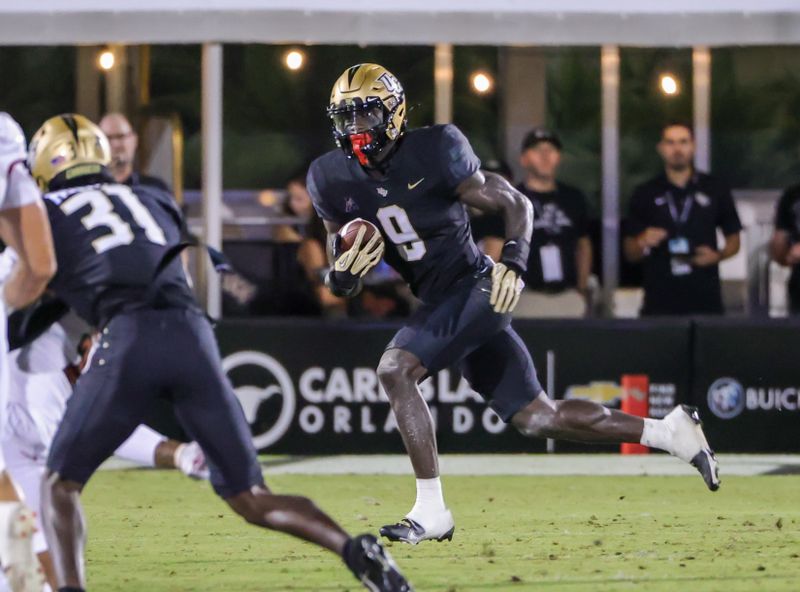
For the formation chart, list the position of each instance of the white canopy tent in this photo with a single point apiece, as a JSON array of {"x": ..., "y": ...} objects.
[
  {"x": 609, "y": 24},
  {"x": 491, "y": 22}
]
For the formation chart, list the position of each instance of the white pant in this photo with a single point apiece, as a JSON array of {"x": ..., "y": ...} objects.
[
  {"x": 33, "y": 413},
  {"x": 4, "y": 377}
]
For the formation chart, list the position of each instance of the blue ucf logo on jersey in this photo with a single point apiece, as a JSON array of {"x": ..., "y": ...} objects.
[{"x": 726, "y": 398}]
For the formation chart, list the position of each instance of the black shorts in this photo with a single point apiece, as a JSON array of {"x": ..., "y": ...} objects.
[
  {"x": 144, "y": 354},
  {"x": 463, "y": 330}
]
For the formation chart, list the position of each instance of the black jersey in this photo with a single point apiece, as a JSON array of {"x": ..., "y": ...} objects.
[
  {"x": 787, "y": 219},
  {"x": 692, "y": 215},
  {"x": 109, "y": 242},
  {"x": 415, "y": 206}
]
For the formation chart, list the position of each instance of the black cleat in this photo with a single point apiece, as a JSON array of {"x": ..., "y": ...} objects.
[
  {"x": 706, "y": 463},
  {"x": 408, "y": 531},
  {"x": 372, "y": 565}
]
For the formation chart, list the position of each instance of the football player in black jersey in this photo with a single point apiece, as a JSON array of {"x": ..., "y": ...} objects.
[
  {"x": 117, "y": 249},
  {"x": 414, "y": 186}
]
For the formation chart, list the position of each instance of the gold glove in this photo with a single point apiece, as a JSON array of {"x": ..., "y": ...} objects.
[
  {"x": 506, "y": 288},
  {"x": 358, "y": 259}
]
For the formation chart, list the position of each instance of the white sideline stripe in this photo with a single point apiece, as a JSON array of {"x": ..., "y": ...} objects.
[
  {"x": 523, "y": 464},
  {"x": 535, "y": 464}
]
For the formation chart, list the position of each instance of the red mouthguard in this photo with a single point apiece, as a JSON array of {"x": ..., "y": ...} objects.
[{"x": 358, "y": 141}]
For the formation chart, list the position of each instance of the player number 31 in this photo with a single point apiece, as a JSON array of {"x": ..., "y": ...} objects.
[{"x": 102, "y": 214}]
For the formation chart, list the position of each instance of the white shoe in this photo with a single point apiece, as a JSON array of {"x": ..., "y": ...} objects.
[
  {"x": 689, "y": 443},
  {"x": 22, "y": 568},
  {"x": 191, "y": 461},
  {"x": 408, "y": 530}
]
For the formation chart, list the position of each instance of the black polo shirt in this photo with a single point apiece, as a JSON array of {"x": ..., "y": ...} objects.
[
  {"x": 486, "y": 224},
  {"x": 787, "y": 218},
  {"x": 146, "y": 180},
  {"x": 691, "y": 215}
]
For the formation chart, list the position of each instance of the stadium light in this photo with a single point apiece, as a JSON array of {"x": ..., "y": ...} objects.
[
  {"x": 106, "y": 60},
  {"x": 669, "y": 85},
  {"x": 295, "y": 59},
  {"x": 482, "y": 82}
]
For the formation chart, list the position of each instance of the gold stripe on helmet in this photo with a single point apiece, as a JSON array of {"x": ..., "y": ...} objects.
[
  {"x": 363, "y": 82},
  {"x": 67, "y": 142}
]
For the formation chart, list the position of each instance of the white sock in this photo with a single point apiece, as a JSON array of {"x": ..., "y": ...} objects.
[
  {"x": 657, "y": 434},
  {"x": 430, "y": 501},
  {"x": 140, "y": 447},
  {"x": 10, "y": 551}
]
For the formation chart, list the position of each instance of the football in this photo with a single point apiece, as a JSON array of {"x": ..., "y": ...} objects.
[{"x": 350, "y": 230}]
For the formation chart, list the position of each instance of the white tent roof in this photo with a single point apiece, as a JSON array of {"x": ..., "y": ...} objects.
[{"x": 494, "y": 22}]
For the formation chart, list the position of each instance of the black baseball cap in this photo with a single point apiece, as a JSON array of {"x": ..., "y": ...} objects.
[{"x": 540, "y": 134}]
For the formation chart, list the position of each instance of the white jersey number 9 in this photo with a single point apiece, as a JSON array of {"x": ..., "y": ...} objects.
[
  {"x": 102, "y": 214},
  {"x": 398, "y": 228}
]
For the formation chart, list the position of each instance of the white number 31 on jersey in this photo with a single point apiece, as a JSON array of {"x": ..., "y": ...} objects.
[{"x": 102, "y": 214}]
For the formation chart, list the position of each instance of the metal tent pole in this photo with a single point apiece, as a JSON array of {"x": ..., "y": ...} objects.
[
  {"x": 443, "y": 82},
  {"x": 701, "y": 82},
  {"x": 609, "y": 64},
  {"x": 212, "y": 168}
]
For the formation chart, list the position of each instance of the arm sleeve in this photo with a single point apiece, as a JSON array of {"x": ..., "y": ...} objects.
[
  {"x": 320, "y": 198},
  {"x": 17, "y": 188},
  {"x": 460, "y": 162},
  {"x": 7, "y": 260},
  {"x": 783, "y": 213},
  {"x": 636, "y": 222},
  {"x": 22, "y": 189},
  {"x": 727, "y": 217}
]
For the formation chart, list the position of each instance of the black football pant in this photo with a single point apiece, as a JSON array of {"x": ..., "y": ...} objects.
[{"x": 141, "y": 355}]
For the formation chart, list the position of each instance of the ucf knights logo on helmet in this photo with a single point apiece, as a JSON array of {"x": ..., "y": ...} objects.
[
  {"x": 368, "y": 111},
  {"x": 65, "y": 147}
]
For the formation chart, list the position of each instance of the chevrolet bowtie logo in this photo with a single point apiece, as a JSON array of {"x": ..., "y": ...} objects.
[{"x": 412, "y": 185}]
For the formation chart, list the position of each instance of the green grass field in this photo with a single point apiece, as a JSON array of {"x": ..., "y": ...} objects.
[{"x": 156, "y": 531}]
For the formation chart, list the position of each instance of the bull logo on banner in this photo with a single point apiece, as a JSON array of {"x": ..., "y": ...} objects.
[{"x": 268, "y": 400}]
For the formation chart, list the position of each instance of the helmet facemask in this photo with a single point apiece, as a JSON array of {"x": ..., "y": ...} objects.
[
  {"x": 362, "y": 130},
  {"x": 367, "y": 109}
]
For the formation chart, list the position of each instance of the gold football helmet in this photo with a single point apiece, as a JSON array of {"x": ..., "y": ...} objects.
[
  {"x": 367, "y": 110},
  {"x": 67, "y": 146}
]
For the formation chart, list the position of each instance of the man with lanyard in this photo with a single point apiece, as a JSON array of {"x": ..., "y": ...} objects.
[
  {"x": 561, "y": 252},
  {"x": 672, "y": 230}
]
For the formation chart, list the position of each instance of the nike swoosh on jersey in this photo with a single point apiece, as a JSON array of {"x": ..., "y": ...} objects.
[{"x": 412, "y": 185}]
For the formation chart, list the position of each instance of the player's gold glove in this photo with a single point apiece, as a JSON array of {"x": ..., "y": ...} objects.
[
  {"x": 359, "y": 259},
  {"x": 506, "y": 288}
]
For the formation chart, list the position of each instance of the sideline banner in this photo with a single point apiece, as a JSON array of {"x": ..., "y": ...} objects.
[
  {"x": 310, "y": 387},
  {"x": 746, "y": 384}
]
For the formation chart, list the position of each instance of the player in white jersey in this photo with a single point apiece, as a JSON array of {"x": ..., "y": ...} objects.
[
  {"x": 40, "y": 384},
  {"x": 24, "y": 226}
]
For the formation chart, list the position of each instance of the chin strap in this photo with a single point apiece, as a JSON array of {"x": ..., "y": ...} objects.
[{"x": 358, "y": 142}]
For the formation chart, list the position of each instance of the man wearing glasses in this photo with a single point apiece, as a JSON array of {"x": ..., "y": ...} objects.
[{"x": 124, "y": 142}]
